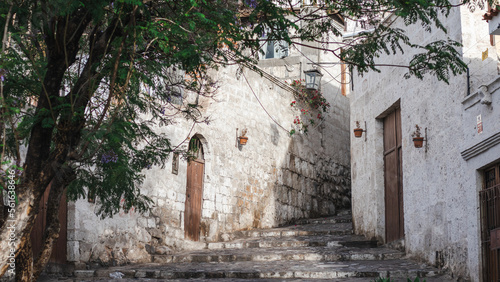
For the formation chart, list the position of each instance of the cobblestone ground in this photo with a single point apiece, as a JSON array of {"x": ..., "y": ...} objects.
[
  {"x": 311, "y": 250},
  {"x": 247, "y": 280}
]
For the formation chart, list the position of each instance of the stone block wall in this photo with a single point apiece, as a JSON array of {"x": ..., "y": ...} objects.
[
  {"x": 311, "y": 188},
  {"x": 271, "y": 180}
]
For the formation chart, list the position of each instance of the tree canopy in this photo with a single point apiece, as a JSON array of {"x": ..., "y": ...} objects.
[{"x": 83, "y": 82}]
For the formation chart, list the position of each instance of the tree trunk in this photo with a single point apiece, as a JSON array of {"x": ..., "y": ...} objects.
[
  {"x": 2, "y": 215},
  {"x": 43, "y": 164},
  {"x": 13, "y": 231},
  {"x": 53, "y": 226},
  {"x": 24, "y": 261}
]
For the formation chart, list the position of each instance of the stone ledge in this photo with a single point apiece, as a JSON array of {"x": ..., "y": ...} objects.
[
  {"x": 481, "y": 147},
  {"x": 84, "y": 273},
  {"x": 476, "y": 97},
  {"x": 400, "y": 269}
]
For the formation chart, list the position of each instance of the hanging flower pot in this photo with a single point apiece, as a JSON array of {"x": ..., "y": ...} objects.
[
  {"x": 358, "y": 132},
  {"x": 418, "y": 142},
  {"x": 243, "y": 140}
]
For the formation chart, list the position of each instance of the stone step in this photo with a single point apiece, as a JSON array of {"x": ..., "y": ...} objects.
[
  {"x": 293, "y": 231},
  {"x": 281, "y": 254},
  {"x": 313, "y": 249},
  {"x": 344, "y": 218},
  {"x": 351, "y": 279},
  {"x": 396, "y": 269},
  {"x": 302, "y": 241}
]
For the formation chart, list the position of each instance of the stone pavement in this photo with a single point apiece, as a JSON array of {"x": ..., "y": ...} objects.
[{"x": 321, "y": 249}]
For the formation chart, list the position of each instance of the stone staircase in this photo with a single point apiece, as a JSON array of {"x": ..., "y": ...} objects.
[{"x": 309, "y": 250}]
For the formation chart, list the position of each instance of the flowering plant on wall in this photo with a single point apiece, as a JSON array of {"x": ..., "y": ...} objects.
[{"x": 312, "y": 105}]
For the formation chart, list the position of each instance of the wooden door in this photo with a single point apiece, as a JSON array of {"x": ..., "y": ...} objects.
[
  {"x": 59, "y": 250},
  {"x": 393, "y": 177},
  {"x": 490, "y": 224},
  {"x": 194, "y": 192},
  {"x": 192, "y": 216}
]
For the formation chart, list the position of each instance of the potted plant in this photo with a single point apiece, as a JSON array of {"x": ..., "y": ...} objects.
[
  {"x": 418, "y": 141},
  {"x": 358, "y": 131},
  {"x": 243, "y": 138}
]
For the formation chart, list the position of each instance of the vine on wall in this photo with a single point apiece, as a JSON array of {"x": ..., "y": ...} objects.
[{"x": 312, "y": 105}]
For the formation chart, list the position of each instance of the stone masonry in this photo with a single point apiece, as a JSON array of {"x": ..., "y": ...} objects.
[{"x": 273, "y": 179}]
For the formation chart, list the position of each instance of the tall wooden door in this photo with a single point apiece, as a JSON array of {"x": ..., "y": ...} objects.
[
  {"x": 194, "y": 191},
  {"x": 59, "y": 250},
  {"x": 393, "y": 177},
  {"x": 490, "y": 224}
]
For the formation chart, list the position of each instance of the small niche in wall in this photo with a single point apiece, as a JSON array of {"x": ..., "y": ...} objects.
[{"x": 175, "y": 164}]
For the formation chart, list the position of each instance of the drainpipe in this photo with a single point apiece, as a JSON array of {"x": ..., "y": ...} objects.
[
  {"x": 468, "y": 82},
  {"x": 352, "y": 77}
]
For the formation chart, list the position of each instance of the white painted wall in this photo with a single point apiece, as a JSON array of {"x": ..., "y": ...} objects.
[{"x": 440, "y": 189}]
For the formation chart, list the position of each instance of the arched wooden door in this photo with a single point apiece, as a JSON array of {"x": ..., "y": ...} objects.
[{"x": 194, "y": 190}]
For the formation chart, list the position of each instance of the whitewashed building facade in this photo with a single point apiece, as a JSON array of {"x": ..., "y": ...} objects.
[{"x": 436, "y": 201}]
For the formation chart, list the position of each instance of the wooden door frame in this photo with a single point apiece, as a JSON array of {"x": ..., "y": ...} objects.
[{"x": 484, "y": 194}]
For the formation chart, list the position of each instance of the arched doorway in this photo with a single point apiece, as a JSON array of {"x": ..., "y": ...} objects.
[{"x": 194, "y": 190}]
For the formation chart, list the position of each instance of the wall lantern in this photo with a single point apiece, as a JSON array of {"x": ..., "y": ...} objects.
[
  {"x": 418, "y": 141},
  {"x": 313, "y": 79},
  {"x": 358, "y": 131}
]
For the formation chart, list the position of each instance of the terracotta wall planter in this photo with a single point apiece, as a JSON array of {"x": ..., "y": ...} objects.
[
  {"x": 358, "y": 132},
  {"x": 418, "y": 142},
  {"x": 243, "y": 140}
]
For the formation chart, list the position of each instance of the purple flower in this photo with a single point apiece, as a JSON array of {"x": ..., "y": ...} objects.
[
  {"x": 251, "y": 3},
  {"x": 108, "y": 157}
]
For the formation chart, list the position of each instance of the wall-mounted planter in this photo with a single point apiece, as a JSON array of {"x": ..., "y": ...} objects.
[
  {"x": 243, "y": 140},
  {"x": 358, "y": 132},
  {"x": 418, "y": 142}
]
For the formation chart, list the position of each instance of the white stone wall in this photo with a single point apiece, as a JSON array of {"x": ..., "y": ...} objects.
[
  {"x": 273, "y": 179},
  {"x": 440, "y": 190},
  {"x": 479, "y": 150}
]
